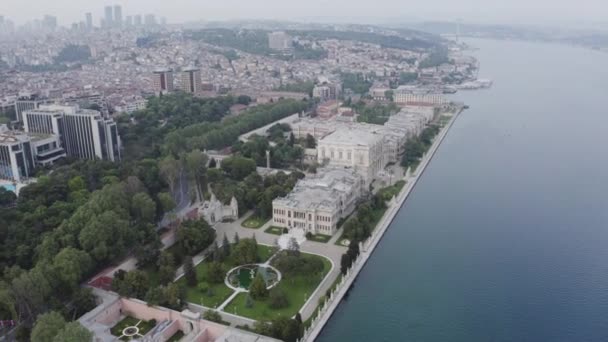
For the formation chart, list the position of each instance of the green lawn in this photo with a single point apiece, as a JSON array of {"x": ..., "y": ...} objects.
[
  {"x": 390, "y": 191},
  {"x": 254, "y": 222},
  {"x": 144, "y": 327},
  {"x": 320, "y": 238},
  {"x": 274, "y": 230},
  {"x": 376, "y": 216},
  {"x": 298, "y": 289},
  {"x": 220, "y": 292}
]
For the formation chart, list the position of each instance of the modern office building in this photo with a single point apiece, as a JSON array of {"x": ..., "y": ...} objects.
[
  {"x": 191, "y": 80},
  {"x": 137, "y": 20},
  {"x": 317, "y": 203},
  {"x": 163, "y": 81},
  {"x": 84, "y": 133},
  {"x": 109, "y": 17},
  {"x": 89, "y": 21},
  {"x": 16, "y": 160},
  {"x": 150, "y": 20},
  {"x": 129, "y": 21},
  {"x": 25, "y": 103},
  {"x": 49, "y": 22},
  {"x": 327, "y": 91},
  {"x": 280, "y": 41},
  {"x": 117, "y": 16}
]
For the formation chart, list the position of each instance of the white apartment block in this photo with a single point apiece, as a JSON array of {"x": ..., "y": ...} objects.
[
  {"x": 356, "y": 147},
  {"x": 317, "y": 203},
  {"x": 405, "y": 97}
]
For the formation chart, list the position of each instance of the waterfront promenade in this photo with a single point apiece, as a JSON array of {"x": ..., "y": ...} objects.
[{"x": 369, "y": 245}]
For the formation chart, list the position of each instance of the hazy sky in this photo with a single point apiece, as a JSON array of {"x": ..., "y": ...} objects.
[{"x": 484, "y": 11}]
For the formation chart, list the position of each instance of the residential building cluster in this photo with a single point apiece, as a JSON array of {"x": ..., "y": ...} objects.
[{"x": 122, "y": 65}]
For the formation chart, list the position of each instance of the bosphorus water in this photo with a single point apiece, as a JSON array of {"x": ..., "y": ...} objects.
[{"x": 505, "y": 237}]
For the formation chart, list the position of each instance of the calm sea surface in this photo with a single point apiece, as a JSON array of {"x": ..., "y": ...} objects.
[{"x": 505, "y": 237}]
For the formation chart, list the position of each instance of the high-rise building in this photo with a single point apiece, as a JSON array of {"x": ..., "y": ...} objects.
[
  {"x": 89, "y": 20},
  {"x": 191, "y": 80},
  {"x": 137, "y": 20},
  {"x": 49, "y": 22},
  {"x": 279, "y": 41},
  {"x": 163, "y": 81},
  {"x": 109, "y": 17},
  {"x": 117, "y": 16},
  {"x": 84, "y": 133},
  {"x": 27, "y": 103},
  {"x": 129, "y": 20},
  {"x": 16, "y": 160},
  {"x": 150, "y": 20}
]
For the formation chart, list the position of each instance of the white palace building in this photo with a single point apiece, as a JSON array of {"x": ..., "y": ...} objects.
[{"x": 317, "y": 203}]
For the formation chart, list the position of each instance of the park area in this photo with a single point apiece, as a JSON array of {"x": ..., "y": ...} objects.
[
  {"x": 210, "y": 289},
  {"x": 302, "y": 274},
  {"x": 130, "y": 328}
]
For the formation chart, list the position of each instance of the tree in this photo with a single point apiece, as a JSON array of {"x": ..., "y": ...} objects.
[
  {"x": 244, "y": 100},
  {"x": 236, "y": 238},
  {"x": 293, "y": 247},
  {"x": 71, "y": 265},
  {"x": 353, "y": 250},
  {"x": 143, "y": 207},
  {"x": 83, "y": 301},
  {"x": 225, "y": 246},
  {"x": 190, "y": 271},
  {"x": 345, "y": 263},
  {"x": 215, "y": 273},
  {"x": 166, "y": 268},
  {"x": 389, "y": 94},
  {"x": 292, "y": 139},
  {"x": 7, "y": 197},
  {"x": 238, "y": 167},
  {"x": 213, "y": 316},
  {"x": 31, "y": 291},
  {"x": 258, "y": 289},
  {"x": 166, "y": 201},
  {"x": 212, "y": 163},
  {"x": 47, "y": 326},
  {"x": 310, "y": 141},
  {"x": 245, "y": 252},
  {"x": 195, "y": 162},
  {"x": 278, "y": 299},
  {"x": 170, "y": 170},
  {"x": 194, "y": 236},
  {"x": 132, "y": 284},
  {"x": 73, "y": 331}
]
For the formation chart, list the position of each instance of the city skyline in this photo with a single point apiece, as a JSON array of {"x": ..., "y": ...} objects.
[{"x": 179, "y": 11}]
